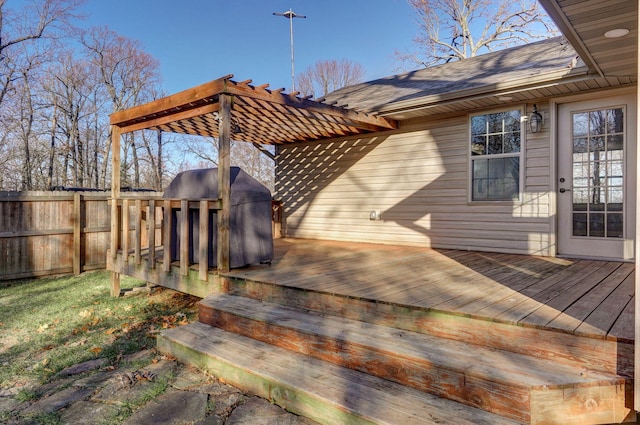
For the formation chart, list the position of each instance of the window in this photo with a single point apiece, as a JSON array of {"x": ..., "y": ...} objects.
[
  {"x": 598, "y": 173},
  {"x": 496, "y": 145}
]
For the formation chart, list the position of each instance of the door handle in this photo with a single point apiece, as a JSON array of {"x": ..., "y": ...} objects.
[{"x": 563, "y": 190}]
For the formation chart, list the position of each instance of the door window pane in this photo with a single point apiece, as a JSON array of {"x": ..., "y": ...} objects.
[
  {"x": 579, "y": 224},
  {"x": 596, "y": 225},
  {"x": 598, "y": 173},
  {"x": 614, "y": 225}
]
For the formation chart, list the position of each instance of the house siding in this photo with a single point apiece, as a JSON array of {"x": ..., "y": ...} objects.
[{"x": 417, "y": 178}]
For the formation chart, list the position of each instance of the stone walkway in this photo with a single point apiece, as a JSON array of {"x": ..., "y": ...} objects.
[{"x": 145, "y": 389}]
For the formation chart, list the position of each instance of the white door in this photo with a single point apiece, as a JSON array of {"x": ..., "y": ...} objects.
[{"x": 596, "y": 178}]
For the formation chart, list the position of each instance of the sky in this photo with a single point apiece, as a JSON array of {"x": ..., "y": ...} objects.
[{"x": 197, "y": 41}]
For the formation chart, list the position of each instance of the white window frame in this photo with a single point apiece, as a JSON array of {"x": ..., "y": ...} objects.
[{"x": 520, "y": 155}]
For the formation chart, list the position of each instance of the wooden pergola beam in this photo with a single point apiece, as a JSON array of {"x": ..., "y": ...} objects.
[{"x": 204, "y": 99}]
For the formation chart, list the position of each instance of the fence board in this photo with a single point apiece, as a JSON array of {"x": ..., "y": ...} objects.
[{"x": 48, "y": 233}]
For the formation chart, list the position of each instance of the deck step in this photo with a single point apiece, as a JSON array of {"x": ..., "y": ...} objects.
[
  {"x": 328, "y": 393},
  {"x": 516, "y": 386},
  {"x": 599, "y": 354}
]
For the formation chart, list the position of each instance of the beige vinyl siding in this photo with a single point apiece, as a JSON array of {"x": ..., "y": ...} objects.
[{"x": 417, "y": 178}]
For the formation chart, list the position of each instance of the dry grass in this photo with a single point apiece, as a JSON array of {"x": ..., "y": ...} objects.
[{"x": 49, "y": 324}]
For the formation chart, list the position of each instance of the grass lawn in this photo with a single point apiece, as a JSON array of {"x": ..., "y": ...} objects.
[{"x": 49, "y": 324}]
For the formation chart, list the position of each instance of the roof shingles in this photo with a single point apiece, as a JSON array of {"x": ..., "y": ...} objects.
[{"x": 518, "y": 63}]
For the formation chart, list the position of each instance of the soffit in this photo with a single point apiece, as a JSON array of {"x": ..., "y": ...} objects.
[{"x": 584, "y": 23}]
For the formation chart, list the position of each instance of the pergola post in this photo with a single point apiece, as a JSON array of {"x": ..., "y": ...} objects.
[
  {"x": 636, "y": 389},
  {"x": 115, "y": 195},
  {"x": 224, "y": 183}
]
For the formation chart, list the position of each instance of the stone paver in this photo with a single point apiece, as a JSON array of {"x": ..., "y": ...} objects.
[
  {"x": 94, "y": 393},
  {"x": 82, "y": 368},
  {"x": 162, "y": 411},
  {"x": 258, "y": 411},
  {"x": 57, "y": 401},
  {"x": 88, "y": 413}
]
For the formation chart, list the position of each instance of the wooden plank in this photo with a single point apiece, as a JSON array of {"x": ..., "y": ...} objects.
[
  {"x": 224, "y": 184},
  {"x": 497, "y": 381},
  {"x": 77, "y": 234},
  {"x": 623, "y": 329},
  {"x": 138, "y": 232},
  {"x": 568, "y": 294},
  {"x": 189, "y": 284},
  {"x": 115, "y": 191},
  {"x": 546, "y": 289},
  {"x": 601, "y": 320},
  {"x": 125, "y": 228},
  {"x": 115, "y": 284},
  {"x": 577, "y": 312},
  {"x": 151, "y": 223},
  {"x": 345, "y": 396},
  {"x": 203, "y": 249},
  {"x": 185, "y": 222},
  {"x": 167, "y": 236}
]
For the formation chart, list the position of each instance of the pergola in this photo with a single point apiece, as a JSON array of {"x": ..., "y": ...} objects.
[{"x": 227, "y": 110}]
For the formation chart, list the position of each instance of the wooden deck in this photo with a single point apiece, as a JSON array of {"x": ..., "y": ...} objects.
[
  {"x": 527, "y": 339},
  {"x": 581, "y": 297}
]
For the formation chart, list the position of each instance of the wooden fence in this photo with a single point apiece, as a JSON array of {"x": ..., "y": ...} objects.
[{"x": 47, "y": 233}]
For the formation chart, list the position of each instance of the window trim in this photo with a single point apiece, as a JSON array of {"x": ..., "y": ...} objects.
[{"x": 520, "y": 155}]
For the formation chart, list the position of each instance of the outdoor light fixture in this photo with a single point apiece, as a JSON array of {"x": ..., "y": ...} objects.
[
  {"x": 535, "y": 120},
  {"x": 616, "y": 33}
]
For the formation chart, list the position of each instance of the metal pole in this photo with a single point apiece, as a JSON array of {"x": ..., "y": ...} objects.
[
  {"x": 290, "y": 14},
  {"x": 293, "y": 79}
]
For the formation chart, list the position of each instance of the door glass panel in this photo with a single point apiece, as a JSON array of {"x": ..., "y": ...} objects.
[{"x": 598, "y": 175}]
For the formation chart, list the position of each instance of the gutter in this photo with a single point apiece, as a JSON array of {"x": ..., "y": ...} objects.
[{"x": 498, "y": 89}]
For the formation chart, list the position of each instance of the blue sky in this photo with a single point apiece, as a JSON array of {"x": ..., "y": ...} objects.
[{"x": 200, "y": 40}]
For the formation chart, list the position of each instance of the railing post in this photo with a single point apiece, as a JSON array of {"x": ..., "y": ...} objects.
[
  {"x": 167, "y": 235},
  {"x": 203, "y": 249},
  {"x": 138, "y": 247},
  {"x": 125, "y": 235},
  {"x": 184, "y": 237},
  {"x": 151, "y": 221}
]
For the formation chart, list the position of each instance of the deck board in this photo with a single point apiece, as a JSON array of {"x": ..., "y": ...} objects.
[
  {"x": 586, "y": 297},
  {"x": 602, "y": 319},
  {"x": 576, "y": 313}
]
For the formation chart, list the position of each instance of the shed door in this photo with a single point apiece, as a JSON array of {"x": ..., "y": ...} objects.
[{"x": 596, "y": 178}]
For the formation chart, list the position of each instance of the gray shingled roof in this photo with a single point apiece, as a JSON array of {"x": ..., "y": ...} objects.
[{"x": 524, "y": 63}]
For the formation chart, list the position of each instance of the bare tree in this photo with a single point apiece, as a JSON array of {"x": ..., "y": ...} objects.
[
  {"x": 129, "y": 76},
  {"x": 457, "y": 29},
  {"x": 36, "y": 20},
  {"x": 329, "y": 75},
  {"x": 69, "y": 90}
]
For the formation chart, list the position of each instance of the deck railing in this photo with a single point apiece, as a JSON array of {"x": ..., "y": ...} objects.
[
  {"x": 137, "y": 250},
  {"x": 142, "y": 215}
]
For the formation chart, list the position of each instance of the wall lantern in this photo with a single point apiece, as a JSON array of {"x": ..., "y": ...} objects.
[{"x": 535, "y": 120}]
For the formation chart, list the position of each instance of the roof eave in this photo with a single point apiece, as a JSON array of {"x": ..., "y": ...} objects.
[
  {"x": 499, "y": 89},
  {"x": 555, "y": 12}
]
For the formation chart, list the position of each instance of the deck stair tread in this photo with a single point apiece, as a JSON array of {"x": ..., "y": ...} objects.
[
  {"x": 327, "y": 392},
  {"x": 512, "y": 384},
  {"x": 472, "y": 360}
]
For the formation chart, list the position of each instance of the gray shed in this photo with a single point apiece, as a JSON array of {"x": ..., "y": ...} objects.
[{"x": 250, "y": 233}]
